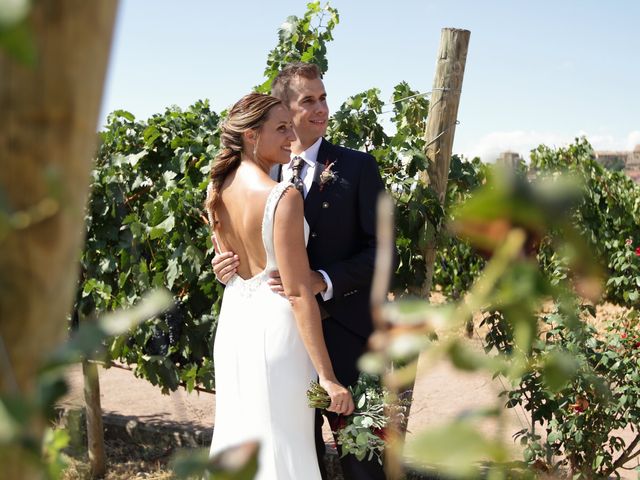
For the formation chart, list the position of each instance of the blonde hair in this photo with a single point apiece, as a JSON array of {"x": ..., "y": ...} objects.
[{"x": 249, "y": 113}]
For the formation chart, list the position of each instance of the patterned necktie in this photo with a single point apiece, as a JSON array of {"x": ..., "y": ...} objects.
[{"x": 296, "y": 169}]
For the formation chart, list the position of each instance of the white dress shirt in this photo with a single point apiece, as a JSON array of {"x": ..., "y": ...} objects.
[{"x": 310, "y": 157}]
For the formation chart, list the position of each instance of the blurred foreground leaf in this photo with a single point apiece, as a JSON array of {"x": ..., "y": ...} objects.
[
  {"x": 90, "y": 336},
  {"x": 455, "y": 449},
  {"x": 16, "y": 37},
  {"x": 236, "y": 463}
]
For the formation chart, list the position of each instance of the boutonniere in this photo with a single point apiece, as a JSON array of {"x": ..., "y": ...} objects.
[{"x": 327, "y": 175}]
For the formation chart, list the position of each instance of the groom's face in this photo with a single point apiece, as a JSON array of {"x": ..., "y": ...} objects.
[{"x": 309, "y": 111}]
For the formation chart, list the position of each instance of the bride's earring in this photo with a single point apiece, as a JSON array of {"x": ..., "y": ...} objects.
[{"x": 255, "y": 148}]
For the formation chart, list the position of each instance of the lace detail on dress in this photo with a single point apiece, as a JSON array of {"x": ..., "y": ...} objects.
[{"x": 247, "y": 288}]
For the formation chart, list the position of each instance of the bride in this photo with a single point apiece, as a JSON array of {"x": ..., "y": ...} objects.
[{"x": 267, "y": 348}]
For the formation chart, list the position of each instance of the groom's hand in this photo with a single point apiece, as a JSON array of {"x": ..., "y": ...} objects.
[
  {"x": 225, "y": 266},
  {"x": 275, "y": 283},
  {"x": 318, "y": 285}
]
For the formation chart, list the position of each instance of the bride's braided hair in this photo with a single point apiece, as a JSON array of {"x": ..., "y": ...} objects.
[{"x": 249, "y": 113}]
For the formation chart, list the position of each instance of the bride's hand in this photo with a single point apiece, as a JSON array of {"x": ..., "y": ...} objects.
[{"x": 341, "y": 401}]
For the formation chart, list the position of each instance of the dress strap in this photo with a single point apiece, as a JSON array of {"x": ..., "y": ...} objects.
[{"x": 267, "y": 222}]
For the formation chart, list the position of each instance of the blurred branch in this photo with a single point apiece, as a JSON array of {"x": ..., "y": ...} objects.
[{"x": 384, "y": 259}]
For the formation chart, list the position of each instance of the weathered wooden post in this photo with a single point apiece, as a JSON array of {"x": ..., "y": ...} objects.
[
  {"x": 47, "y": 141},
  {"x": 441, "y": 125},
  {"x": 440, "y": 131},
  {"x": 93, "y": 411},
  {"x": 441, "y": 121}
]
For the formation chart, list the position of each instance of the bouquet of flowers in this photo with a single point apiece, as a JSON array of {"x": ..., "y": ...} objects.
[{"x": 363, "y": 433}]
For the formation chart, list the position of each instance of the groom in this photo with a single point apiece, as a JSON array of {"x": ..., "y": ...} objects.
[{"x": 341, "y": 188}]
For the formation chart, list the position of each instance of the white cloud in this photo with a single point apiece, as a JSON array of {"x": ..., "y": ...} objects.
[
  {"x": 602, "y": 141},
  {"x": 633, "y": 139},
  {"x": 609, "y": 141},
  {"x": 491, "y": 145}
]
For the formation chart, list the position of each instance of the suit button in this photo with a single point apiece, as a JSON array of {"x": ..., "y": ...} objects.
[
  {"x": 325, "y": 204},
  {"x": 314, "y": 234}
]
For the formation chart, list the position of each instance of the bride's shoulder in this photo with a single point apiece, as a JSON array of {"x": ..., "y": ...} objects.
[
  {"x": 289, "y": 200},
  {"x": 263, "y": 189}
]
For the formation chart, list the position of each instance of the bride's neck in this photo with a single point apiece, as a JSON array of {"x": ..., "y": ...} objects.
[
  {"x": 257, "y": 163},
  {"x": 256, "y": 167}
]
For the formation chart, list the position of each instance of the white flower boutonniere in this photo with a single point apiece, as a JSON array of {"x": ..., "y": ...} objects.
[{"x": 327, "y": 175}]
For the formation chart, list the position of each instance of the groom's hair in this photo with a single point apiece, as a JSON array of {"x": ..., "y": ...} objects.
[{"x": 280, "y": 85}]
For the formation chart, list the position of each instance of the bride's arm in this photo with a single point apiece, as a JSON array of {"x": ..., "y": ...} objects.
[{"x": 293, "y": 263}]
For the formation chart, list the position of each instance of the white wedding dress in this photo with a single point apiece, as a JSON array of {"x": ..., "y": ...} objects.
[{"x": 263, "y": 371}]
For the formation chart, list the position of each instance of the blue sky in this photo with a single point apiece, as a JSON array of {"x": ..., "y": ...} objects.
[{"x": 537, "y": 72}]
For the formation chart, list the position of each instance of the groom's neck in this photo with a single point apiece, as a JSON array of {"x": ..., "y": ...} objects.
[{"x": 298, "y": 147}]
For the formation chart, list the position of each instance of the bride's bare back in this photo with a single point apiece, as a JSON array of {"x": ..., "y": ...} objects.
[{"x": 239, "y": 213}]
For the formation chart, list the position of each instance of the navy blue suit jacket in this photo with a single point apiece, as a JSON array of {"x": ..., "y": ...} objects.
[{"x": 342, "y": 219}]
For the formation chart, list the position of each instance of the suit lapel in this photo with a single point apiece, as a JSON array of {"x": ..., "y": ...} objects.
[{"x": 313, "y": 201}]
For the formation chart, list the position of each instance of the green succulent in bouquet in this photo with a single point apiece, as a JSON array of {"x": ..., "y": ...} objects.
[{"x": 363, "y": 433}]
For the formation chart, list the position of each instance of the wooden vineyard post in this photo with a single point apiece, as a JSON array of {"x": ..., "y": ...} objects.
[
  {"x": 441, "y": 121},
  {"x": 93, "y": 411},
  {"x": 441, "y": 125}
]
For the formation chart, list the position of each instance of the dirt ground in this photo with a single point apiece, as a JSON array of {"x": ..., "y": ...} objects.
[{"x": 441, "y": 394}]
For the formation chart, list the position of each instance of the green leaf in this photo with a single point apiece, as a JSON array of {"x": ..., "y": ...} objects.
[
  {"x": 598, "y": 461},
  {"x": 163, "y": 227},
  {"x": 558, "y": 370},
  {"x": 456, "y": 449},
  {"x": 168, "y": 177},
  {"x": 372, "y": 363},
  {"x": 13, "y": 11},
  {"x": 55, "y": 440},
  {"x": 195, "y": 257},
  {"x": 172, "y": 272},
  {"x": 288, "y": 27},
  {"x": 17, "y": 40},
  {"x": 134, "y": 158},
  {"x": 554, "y": 436},
  {"x": 121, "y": 114},
  {"x": 235, "y": 463},
  {"x": 91, "y": 335},
  {"x": 362, "y": 438},
  {"x": 12, "y": 415}
]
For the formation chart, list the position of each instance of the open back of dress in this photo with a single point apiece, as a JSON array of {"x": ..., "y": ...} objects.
[{"x": 263, "y": 372}]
